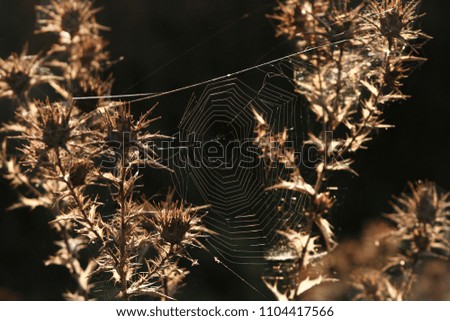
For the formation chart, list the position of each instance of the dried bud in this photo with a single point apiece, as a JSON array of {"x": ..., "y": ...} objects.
[
  {"x": 55, "y": 129},
  {"x": 176, "y": 224},
  {"x": 173, "y": 222},
  {"x": 423, "y": 219},
  {"x": 20, "y": 73},
  {"x": 391, "y": 25},
  {"x": 70, "y": 17}
]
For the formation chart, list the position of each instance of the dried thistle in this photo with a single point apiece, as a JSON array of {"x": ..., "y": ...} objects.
[
  {"x": 396, "y": 21},
  {"x": 130, "y": 139},
  {"x": 20, "y": 73},
  {"x": 59, "y": 165},
  {"x": 178, "y": 228},
  {"x": 52, "y": 129},
  {"x": 362, "y": 54},
  {"x": 388, "y": 263},
  {"x": 423, "y": 229},
  {"x": 177, "y": 225},
  {"x": 69, "y": 18},
  {"x": 423, "y": 220}
]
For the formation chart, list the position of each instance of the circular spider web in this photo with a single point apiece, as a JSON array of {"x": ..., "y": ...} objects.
[{"x": 217, "y": 158}]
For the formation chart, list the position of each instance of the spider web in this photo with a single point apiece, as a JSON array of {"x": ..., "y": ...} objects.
[{"x": 244, "y": 215}]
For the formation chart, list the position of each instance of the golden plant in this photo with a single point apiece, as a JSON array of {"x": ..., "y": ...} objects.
[
  {"x": 361, "y": 55},
  {"x": 79, "y": 159}
]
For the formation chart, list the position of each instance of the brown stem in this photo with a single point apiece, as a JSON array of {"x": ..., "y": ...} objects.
[
  {"x": 165, "y": 279},
  {"x": 410, "y": 279},
  {"x": 123, "y": 235}
]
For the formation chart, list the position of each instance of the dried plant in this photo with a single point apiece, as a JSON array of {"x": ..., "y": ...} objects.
[
  {"x": 19, "y": 74},
  {"x": 388, "y": 262},
  {"x": 177, "y": 229},
  {"x": 422, "y": 232},
  {"x": 80, "y": 160},
  {"x": 362, "y": 53}
]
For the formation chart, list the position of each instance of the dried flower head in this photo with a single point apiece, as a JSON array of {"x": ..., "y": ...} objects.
[
  {"x": 129, "y": 138},
  {"x": 68, "y": 18},
  {"x": 56, "y": 130},
  {"x": 423, "y": 220},
  {"x": 20, "y": 73},
  {"x": 317, "y": 24},
  {"x": 91, "y": 55},
  {"x": 297, "y": 19},
  {"x": 178, "y": 225},
  {"x": 395, "y": 20},
  {"x": 52, "y": 128}
]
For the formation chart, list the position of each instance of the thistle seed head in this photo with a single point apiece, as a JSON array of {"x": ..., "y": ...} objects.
[{"x": 55, "y": 126}]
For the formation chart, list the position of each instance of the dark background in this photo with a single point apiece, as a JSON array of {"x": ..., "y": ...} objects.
[{"x": 168, "y": 44}]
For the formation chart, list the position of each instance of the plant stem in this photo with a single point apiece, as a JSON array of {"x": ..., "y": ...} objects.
[{"x": 123, "y": 236}]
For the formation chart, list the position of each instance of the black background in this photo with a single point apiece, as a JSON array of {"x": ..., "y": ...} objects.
[{"x": 168, "y": 44}]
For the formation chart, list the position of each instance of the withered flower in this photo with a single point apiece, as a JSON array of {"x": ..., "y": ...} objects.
[
  {"x": 89, "y": 87},
  {"x": 395, "y": 20},
  {"x": 79, "y": 171},
  {"x": 178, "y": 225},
  {"x": 129, "y": 138},
  {"x": 56, "y": 129},
  {"x": 423, "y": 220},
  {"x": 51, "y": 128},
  {"x": 90, "y": 55},
  {"x": 20, "y": 73},
  {"x": 69, "y": 18},
  {"x": 298, "y": 19}
]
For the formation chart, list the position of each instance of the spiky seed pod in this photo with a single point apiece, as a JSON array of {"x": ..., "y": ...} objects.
[
  {"x": 395, "y": 20},
  {"x": 69, "y": 18},
  {"x": 423, "y": 220},
  {"x": 51, "y": 130},
  {"x": 20, "y": 73},
  {"x": 56, "y": 129},
  {"x": 174, "y": 227},
  {"x": 130, "y": 138},
  {"x": 178, "y": 225},
  {"x": 391, "y": 25}
]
